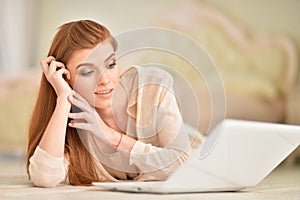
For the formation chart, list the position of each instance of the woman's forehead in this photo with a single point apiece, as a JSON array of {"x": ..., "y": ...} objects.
[
  {"x": 100, "y": 53},
  {"x": 96, "y": 55}
]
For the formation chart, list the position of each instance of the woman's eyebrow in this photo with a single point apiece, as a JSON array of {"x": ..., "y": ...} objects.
[
  {"x": 84, "y": 64},
  {"x": 109, "y": 57},
  {"x": 91, "y": 64}
]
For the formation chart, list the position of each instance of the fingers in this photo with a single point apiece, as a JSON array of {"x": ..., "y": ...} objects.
[
  {"x": 88, "y": 119},
  {"x": 81, "y": 102},
  {"x": 54, "y": 65},
  {"x": 80, "y": 125},
  {"x": 79, "y": 97},
  {"x": 80, "y": 116},
  {"x": 50, "y": 66},
  {"x": 56, "y": 68},
  {"x": 45, "y": 63},
  {"x": 87, "y": 115},
  {"x": 88, "y": 127},
  {"x": 67, "y": 73},
  {"x": 47, "y": 60},
  {"x": 82, "y": 105},
  {"x": 63, "y": 71}
]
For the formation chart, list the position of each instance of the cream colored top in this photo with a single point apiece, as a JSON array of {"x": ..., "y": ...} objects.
[{"x": 145, "y": 108}]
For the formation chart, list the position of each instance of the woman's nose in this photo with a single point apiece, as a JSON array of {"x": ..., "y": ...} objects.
[{"x": 103, "y": 80}]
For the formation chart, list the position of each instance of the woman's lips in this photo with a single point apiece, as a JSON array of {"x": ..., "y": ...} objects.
[{"x": 104, "y": 93}]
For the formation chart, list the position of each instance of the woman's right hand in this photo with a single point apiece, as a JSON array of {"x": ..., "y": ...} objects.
[{"x": 54, "y": 72}]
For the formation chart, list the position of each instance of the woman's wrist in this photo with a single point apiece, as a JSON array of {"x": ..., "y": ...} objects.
[
  {"x": 123, "y": 143},
  {"x": 63, "y": 104},
  {"x": 117, "y": 140},
  {"x": 63, "y": 96},
  {"x": 64, "y": 99}
]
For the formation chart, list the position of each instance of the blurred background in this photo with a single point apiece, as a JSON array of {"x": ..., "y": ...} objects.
[{"x": 255, "y": 44}]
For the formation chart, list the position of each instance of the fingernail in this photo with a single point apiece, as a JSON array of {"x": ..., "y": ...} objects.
[{"x": 70, "y": 98}]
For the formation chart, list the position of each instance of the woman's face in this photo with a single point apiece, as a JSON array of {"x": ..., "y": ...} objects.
[{"x": 95, "y": 74}]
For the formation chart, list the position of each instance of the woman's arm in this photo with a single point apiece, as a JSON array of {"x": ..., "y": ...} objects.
[
  {"x": 170, "y": 147},
  {"x": 46, "y": 170},
  {"x": 47, "y": 167},
  {"x": 53, "y": 140},
  {"x": 163, "y": 143}
]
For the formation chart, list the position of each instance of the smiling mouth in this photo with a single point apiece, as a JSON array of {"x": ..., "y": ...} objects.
[{"x": 103, "y": 92}]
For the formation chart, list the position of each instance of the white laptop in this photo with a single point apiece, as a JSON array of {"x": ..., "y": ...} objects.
[{"x": 236, "y": 154}]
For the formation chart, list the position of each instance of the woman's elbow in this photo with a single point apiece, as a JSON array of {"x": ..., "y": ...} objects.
[
  {"x": 45, "y": 181},
  {"x": 40, "y": 179}
]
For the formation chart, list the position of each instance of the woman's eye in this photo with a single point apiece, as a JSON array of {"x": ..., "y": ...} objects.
[
  {"x": 112, "y": 65},
  {"x": 86, "y": 73}
]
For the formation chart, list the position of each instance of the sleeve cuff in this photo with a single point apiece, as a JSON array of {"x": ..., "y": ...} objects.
[
  {"x": 42, "y": 156},
  {"x": 138, "y": 148}
]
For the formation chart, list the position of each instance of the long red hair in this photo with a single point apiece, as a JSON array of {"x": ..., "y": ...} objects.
[{"x": 70, "y": 37}]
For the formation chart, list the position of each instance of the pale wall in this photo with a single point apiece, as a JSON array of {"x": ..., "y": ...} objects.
[
  {"x": 117, "y": 15},
  {"x": 255, "y": 16},
  {"x": 263, "y": 16}
]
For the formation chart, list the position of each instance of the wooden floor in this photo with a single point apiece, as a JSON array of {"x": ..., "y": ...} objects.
[{"x": 282, "y": 183}]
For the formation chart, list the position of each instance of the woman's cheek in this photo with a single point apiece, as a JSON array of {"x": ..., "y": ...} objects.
[
  {"x": 82, "y": 87},
  {"x": 88, "y": 91}
]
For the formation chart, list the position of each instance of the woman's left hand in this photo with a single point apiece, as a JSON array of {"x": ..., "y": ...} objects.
[{"x": 88, "y": 119}]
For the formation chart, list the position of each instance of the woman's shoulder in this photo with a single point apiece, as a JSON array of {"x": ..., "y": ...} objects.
[
  {"x": 132, "y": 70},
  {"x": 148, "y": 74}
]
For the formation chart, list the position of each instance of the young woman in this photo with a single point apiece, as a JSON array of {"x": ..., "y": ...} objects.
[{"x": 124, "y": 127}]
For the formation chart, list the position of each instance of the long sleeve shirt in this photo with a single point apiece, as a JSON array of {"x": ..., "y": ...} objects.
[{"x": 145, "y": 108}]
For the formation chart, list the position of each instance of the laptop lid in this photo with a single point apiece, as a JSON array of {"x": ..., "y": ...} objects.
[{"x": 241, "y": 155}]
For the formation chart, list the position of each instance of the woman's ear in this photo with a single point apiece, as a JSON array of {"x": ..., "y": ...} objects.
[{"x": 68, "y": 78}]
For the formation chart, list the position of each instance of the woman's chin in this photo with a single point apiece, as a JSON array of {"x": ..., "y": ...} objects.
[{"x": 103, "y": 105}]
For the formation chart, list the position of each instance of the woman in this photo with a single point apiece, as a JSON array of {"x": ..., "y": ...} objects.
[{"x": 124, "y": 127}]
